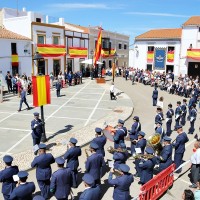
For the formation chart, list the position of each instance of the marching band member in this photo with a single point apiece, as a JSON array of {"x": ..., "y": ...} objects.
[
  {"x": 159, "y": 129},
  {"x": 193, "y": 115},
  {"x": 184, "y": 112},
  {"x": 178, "y": 113},
  {"x": 169, "y": 116}
]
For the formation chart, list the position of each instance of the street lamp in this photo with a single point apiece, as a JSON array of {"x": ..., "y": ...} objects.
[
  {"x": 38, "y": 57},
  {"x": 91, "y": 70},
  {"x": 114, "y": 66}
]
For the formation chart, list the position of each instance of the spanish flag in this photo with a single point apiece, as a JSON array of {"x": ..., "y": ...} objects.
[
  {"x": 98, "y": 47},
  {"x": 41, "y": 90},
  {"x": 15, "y": 60},
  {"x": 193, "y": 54},
  {"x": 78, "y": 52},
  {"x": 170, "y": 56},
  {"x": 150, "y": 55}
]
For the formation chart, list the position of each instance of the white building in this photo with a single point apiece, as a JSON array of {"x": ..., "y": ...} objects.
[
  {"x": 177, "y": 50},
  {"x": 16, "y": 53}
]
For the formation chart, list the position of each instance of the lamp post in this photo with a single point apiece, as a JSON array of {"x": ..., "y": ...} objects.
[
  {"x": 38, "y": 57},
  {"x": 114, "y": 66},
  {"x": 91, "y": 70}
]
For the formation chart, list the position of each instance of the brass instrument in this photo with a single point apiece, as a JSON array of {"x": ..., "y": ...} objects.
[
  {"x": 143, "y": 156},
  {"x": 117, "y": 172},
  {"x": 154, "y": 142},
  {"x": 110, "y": 149},
  {"x": 86, "y": 153}
]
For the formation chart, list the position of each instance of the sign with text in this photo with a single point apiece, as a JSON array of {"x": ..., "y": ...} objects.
[{"x": 159, "y": 58}]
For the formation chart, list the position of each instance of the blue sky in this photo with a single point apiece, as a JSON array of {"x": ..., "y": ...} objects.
[{"x": 131, "y": 17}]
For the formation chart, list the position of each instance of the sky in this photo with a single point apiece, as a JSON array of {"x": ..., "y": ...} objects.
[{"x": 130, "y": 17}]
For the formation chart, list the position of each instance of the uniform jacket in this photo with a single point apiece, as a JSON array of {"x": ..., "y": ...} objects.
[
  {"x": 191, "y": 102},
  {"x": 23, "y": 192},
  {"x": 121, "y": 186},
  {"x": 61, "y": 182},
  {"x": 161, "y": 131},
  {"x": 170, "y": 114},
  {"x": 178, "y": 111},
  {"x": 92, "y": 193},
  {"x": 158, "y": 117},
  {"x": 43, "y": 166},
  {"x": 136, "y": 127},
  {"x": 141, "y": 144},
  {"x": 36, "y": 131},
  {"x": 193, "y": 114},
  {"x": 155, "y": 94},
  {"x": 93, "y": 165},
  {"x": 179, "y": 145},
  {"x": 184, "y": 109},
  {"x": 101, "y": 141},
  {"x": 6, "y": 178},
  {"x": 119, "y": 136},
  {"x": 72, "y": 157}
]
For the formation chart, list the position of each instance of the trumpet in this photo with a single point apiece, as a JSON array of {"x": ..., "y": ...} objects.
[
  {"x": 110, "y": 149},
  {"x": 142, "y": 156}
]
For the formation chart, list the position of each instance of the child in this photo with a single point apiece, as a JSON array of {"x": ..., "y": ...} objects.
[{"x": 58, "y": 87}]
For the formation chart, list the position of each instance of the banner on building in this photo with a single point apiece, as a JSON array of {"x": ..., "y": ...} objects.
[
  {"x": 107, "y": 53},
  {"x": 15, "y": 60},
  {"x": 150, "y": 56},
  {"x": 193, "y": 54},
  {"x": 98, "y": 47},
  {"x": 170, "y": 56},
  {"x": 159, "y": 58},
  {"x": 41, "y": 90},
  {"x": 78, "y": 52},
  {"x": 51, "y": 50}
]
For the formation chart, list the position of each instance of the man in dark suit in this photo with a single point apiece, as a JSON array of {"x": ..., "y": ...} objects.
[
  {"x": 24, "y": 190},
  {"x": 43, "y": 170},
  {"x": 179, "y": 146},
  {"x": 94, "y": 163},
  {"x": 71, "y": 156},
  {"x": 8, "y": 79},
  {"x": 92, "y": 191},
  {"x": 6, "y": 177},
  {"x": 61, "y": 181},
  {"x": 23, "y": 99},
  {"x": 155, "y": 96},
  {"x": 121, "y": 183}
]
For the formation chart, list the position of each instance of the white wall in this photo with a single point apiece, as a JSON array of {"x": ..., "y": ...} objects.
[
  {"x": 25, "y": 59},
  {"x": 131, "y": 57}
]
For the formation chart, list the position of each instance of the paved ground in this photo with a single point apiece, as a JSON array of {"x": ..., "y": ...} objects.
[{"x": 141, "y": 96}]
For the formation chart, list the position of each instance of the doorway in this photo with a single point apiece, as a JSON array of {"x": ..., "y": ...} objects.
[
  {"x": 69, "y": 65},
  {"x": 41, "y": 67},
  {"x": 193, "y": 69},
  {"x": 56, "y": 67},
  {"x": 169, "y": 68},
  {"x": 149, "y": 67}
]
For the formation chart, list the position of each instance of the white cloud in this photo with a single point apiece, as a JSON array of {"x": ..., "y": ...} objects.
[{"x": 156, "y": 14}]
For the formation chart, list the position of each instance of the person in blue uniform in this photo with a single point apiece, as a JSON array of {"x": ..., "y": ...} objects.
[
  {"x": 43, "y": 170},
  {"x": 179, "y": 146},
  {"x": 159, "y": 115},
  {"x": 23, "y": 99},
  {"x": 92, "y": 191},
  {"x": 61, "y": 181},
  {"x": 36, "y": 126},
  {"x": 147, "y": 166},
  {"x": 155, "y": 96},
  {"x": 159, "y": 129},
  {"x": 184, "y": 112},
  {"x": 94, "y": 163},
  {"x": 178, "y": 113},
  {"x": 165, "y": 157},
  {"x": 24, "y": 190},
  {"x": 100, "y": 139},
  {"x": 6, "y": 177},
  {"x": 126, "y": 74},
  {"x": 121, "y": 183},
  {"x": 120, "y": 156},
  {"x": 169, "y": 115},
  {"x": 38, "y": 197},
  {"x": 193, "y": 116},
  {"x": 71, "y": 156},
  {"x": 120, "y": 134},
  {"x": 140, "y": 143},
  {"x": 58, "y": 87},
  {"x": 133, "y": 133}
]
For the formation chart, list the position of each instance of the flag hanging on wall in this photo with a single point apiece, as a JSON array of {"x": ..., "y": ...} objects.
[
  {"x": 41, "y": 90},
  {"x": 98, "y": 47},
  {"x": 150, "y": 56},
  {"x": 170, "y": 56},
  {"x": 15, "y": 60}
]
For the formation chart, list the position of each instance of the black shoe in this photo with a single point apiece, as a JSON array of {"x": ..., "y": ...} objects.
[
  {"x": 193, "y": 186},
  {"x": 28, "y": 108},
  {"x": 19, "y": 110}
]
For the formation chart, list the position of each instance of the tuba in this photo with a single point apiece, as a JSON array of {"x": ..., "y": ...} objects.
[
  {"x": 110, "y": 149},
  {"x": 154, "y": 142}
]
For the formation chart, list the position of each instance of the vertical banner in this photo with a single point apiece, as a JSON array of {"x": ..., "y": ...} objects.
[
  {"x": 170, "y": 56},
  {"x": 159, "y": 58},
  {"x": 41, "y": 90},
  {"x": 150, "y": 55}
]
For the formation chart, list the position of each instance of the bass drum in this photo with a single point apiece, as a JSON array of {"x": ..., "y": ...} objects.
[{"x": 108, "y": 132}]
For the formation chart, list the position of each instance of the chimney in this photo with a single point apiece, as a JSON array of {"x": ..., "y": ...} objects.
[{"x": 24, "y": 9}]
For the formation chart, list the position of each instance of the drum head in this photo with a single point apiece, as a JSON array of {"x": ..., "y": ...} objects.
[{"x": 108, "y": 135}]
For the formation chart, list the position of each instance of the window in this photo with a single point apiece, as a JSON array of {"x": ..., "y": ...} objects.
[
  {"x": 14, "y": 48},
  {"x": 38, "y": 19},
  {"x": 125, "y": 46},
  {"x": 41, "y": 39},
  {"x": 110, "y": 45},
  {"x": 82, "y": 43},
  {"x": 69, "y": 42},
  {"x": 56, "y": 40},
  {"x": 76, "y": 42},
  {"x": 56, "y": 67},
  {"x": 120, "y": 46},
  {"x": 105, "y": 43},
  {"x": 150, "y": 48},
  {"x": 170, "y": 48}
]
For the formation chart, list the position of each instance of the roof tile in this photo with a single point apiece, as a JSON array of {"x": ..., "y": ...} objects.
[
  {"x": 78, "y": 28},
  {"x": 6, "y": 34},
  {"x": 194, "y": 20}
]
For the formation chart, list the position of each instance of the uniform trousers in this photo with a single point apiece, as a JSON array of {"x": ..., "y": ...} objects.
[
  {"x": 168, "y": 128},
  {"x": 178, "y": 160},
  {"x": 191, "y": 129},
  {"x": 177, "y": 122},
  {"x": 36, "y": 141},
  {"x": 137, "y": 168},
  {"x": 6, "y": 197},
  {"x": 183, "y": 120},
  {"x": 195, "y": 169},
  {"x": 44, "y": 186},
  {"x": 154, "y": 101},
  {"x": 74, "y": 178}
]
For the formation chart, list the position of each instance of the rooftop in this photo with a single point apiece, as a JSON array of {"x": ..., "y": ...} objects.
[
  {"x": 77, "y": 28},
  {"x": 6, "y": 34},
  {"x": 174, "y": 33},
  {"x": 192, "y": 21}
]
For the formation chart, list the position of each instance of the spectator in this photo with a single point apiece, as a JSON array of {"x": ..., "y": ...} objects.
[
  {"x": 8, "y": 79},
  {"x": 188, "y": 195},
  {"x": 197, "y": 192}
]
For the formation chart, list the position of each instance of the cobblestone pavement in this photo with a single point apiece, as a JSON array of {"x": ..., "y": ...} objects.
[{"x": 141, "y": 97}]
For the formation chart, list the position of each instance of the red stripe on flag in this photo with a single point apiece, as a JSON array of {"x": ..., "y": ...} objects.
[
  {"x": 98, "y": 47},
  {"x": 35, "y": 92},
  {"x": 47, "y": 79}
]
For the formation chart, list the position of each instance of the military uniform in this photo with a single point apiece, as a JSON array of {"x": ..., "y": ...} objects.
[
  {"x": 184, "y": 113},
  {"x": 159, "y": 115},
  {"x": 72, "y": 160},
  {"x": 43, "y": 170},
  {"x": 61, "y": 181},
  {"x": 193, "y": 115},
  {"x": 25, "y": 189},
  {"x": 159, "y": 129},
  {"x": 178, "y": 113},
  {"x": 6, "y": 177},
  {"x": 122, "y": 183},
  {"x": 155, "y": 96},
  {"x": 169, "y": 116}
]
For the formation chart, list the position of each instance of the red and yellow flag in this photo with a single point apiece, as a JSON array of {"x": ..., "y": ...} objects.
[
  {"x": 98, "y": 47},
  {"x": 107, "y": 53},
  {"x": 15, "y": 60},
  {"x": 78, "y": 52},
  {"x": 41, "y": 90},
  {"x": 170, "y": 56},
  {"x": 193, "y": 54},
  {"x": 150, "y": 56}
]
